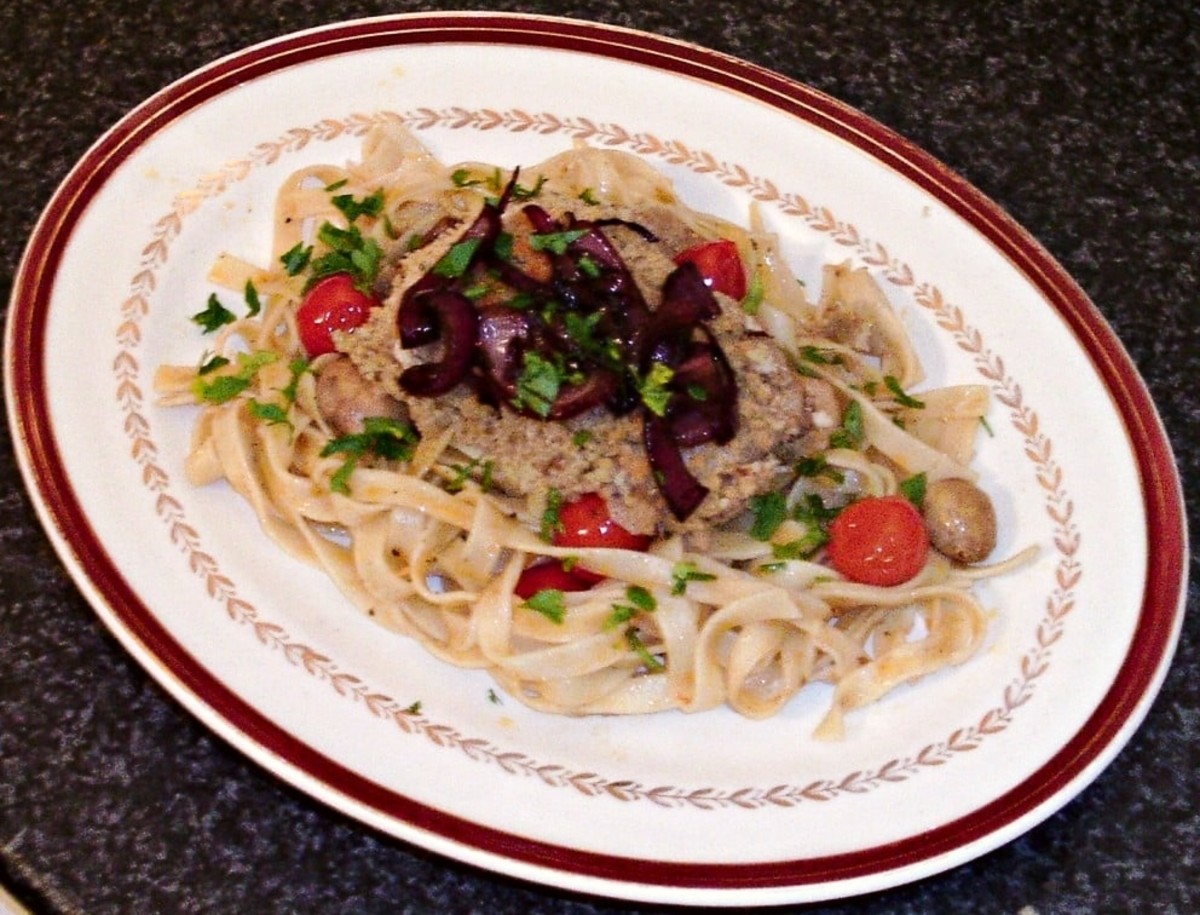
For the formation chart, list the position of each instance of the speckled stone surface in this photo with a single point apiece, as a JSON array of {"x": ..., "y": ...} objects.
[{"x": 1079, "y": 118}]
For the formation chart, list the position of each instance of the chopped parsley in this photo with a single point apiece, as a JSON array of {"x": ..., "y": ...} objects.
[
  {"x": 581, "y": 438},
  {"x": 588, "y": 197},
  {"x": 639, "y": 648},
  {"x": 526, "y": 193},
  {"x": 223, "y": 388},
  {"x": 818, "y": 356},
  {"x": 454, "y": 263},
  {"x": 349, "y": 252},
  {"x": 214, "y": 316},
  {"x": 271, "y": 413},
  {"x": 539, "y": 383},
  {"x": 551, "y": 515},
  {"x": 463, "y": 472},
  {"x": 802, "y": 547},
  {"x": 550, "y": 603},
  {"x": 770, "y": 511},
  {"x": 818, "y": 466},
  {"x": 685, "y": 572},
  {"x": 212, "y": 365},
  {"x": 298, "y": 367},
  {"x": 390, "y": 439},
  {"x": 913, "y": 489},
  {"x": 754, "y": 295},
  {"x": 653, "y": 388},
  {"x": 253, "y": 303},
  {"x": 353, "y": 207},
  {"x": 850, "y": 433},
  {"x": 905, "y": 400},
  {"x": 502, "y": 247},
  {"x": 296, "y": 258},
  {"x": 556, "y": 242}
]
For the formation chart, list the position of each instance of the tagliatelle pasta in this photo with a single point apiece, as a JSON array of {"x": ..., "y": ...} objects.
[{"x": 429, "y": 510}]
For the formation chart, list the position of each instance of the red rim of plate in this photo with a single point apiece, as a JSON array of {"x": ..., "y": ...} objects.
[{"x": 1036, "y": 798}]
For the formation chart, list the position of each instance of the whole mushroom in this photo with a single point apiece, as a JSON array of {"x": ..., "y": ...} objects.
[{"x": 960, "y": 519}]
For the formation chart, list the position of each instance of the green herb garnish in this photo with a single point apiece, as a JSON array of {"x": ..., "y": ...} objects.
[
  {"x": 353, "y": 208},
  {"x": 770, "y": 511},
  {"x": 753, "y": 300},
  {"x": 214, "y": 316},
  {"x": 802, "y": 547},
  {"x": 454, "y": 263},
  {"x": 639, "y": 648},
  {"x": 349, "y": 252},
  {"x": 551, "y": 520},
  {"x": 296, "y": 258},
  {"x": 223, "y": 388},
  {"x": 550, "y": 603},
  {"x": 685, "y": 572},
  {"x": 253, "y": 303},
  {"x": 556, "y": 242},
  {"x": 653, "y": 388},
  {"x": 270, "y": 413},
  {"x": 390, "y": 439},
  {"x": 538, "y": 384},
  {"x": 913, "y": 489},
  {"x": 905, "y": 400},
  {"x": 212, "y": 365},
  {"x": 850, "y": 434}
]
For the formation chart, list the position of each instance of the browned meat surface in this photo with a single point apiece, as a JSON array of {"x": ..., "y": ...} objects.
[{"x": 781, "y": 414}]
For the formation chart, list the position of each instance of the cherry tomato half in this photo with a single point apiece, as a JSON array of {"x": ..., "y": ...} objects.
[
  {"x": 878, "y": 541},
  {"x": 548, "y": 574},
  {"x": 586, "y": 523},
  {"x": 333, "y": 303},
  {"x": 720, "y": 265}
]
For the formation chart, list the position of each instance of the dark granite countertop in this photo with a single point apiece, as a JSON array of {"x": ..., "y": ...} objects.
[{"x": 1080, "y": 119}]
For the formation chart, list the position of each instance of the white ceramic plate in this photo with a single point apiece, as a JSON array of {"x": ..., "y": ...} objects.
[{"x": 696, "y": 810}]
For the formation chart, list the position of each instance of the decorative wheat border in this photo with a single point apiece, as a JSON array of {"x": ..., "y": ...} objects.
[{"x": 1038, "y": 449}]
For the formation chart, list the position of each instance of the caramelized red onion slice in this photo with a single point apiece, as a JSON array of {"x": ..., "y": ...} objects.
[
  {"x": 686, "y": 301},
  {"x": 579, "y": 398},
  {"x": 711, "y": 417},
  {"x": 503, "y": 335},
  {"x": 682, "y": 491},
  {"x": 458, "y": 324}
]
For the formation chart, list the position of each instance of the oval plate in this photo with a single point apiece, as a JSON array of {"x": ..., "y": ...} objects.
[{"x": 269, "y": 655}]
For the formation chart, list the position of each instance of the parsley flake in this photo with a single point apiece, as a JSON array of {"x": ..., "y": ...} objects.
[
  {"x": 353, "y": 207},
  {"x": 214, "y": 316},
  {"x": 296, "y": 258},
  {"x": 550, "y": 603},
  {"x": 913, "y": 489},
  {"x": 770, "y": 511},
  {"x": 454, "y": 263},
  {"x": 905, "y": 400},
  {"x": 850, "y": 434},
  {"x": 685, "y": 572},
  {"x": 653, "y": 388},
  {"x": 551, "y": 520},
  {"x": 538, "y": 384},
  {"x": 556, "y": 242},
  {"x": 253, "y": 303}
]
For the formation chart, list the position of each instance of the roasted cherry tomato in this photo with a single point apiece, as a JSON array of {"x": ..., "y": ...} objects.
[
  {"x": 720, "y": 265},
  {"x": 548, "y": 574},
  {"x": 585, "y": 522},
  {"x": 878, "y": 541},
  {"x": 333, "y": 303}
]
